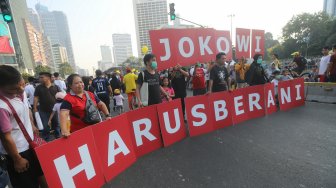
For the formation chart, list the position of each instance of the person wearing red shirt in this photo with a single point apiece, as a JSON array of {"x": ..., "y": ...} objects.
[
  {"x": 74, "y": 106},
  {"x": 198, "y": 80}
]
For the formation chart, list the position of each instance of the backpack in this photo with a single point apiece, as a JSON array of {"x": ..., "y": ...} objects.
[{"x": 92, "y": 115}]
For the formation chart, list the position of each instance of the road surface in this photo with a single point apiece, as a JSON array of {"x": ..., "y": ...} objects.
[{"x": 287, "y": 149}]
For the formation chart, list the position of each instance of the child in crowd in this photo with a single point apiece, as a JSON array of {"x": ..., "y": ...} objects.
[
  {"x": 119, "y": 101},
  {"x": 168, "y": 89},
  {"x": 56, "y": 109},
  {"x": 277, "y": 77},
  {"x": 286, "y": 76}
]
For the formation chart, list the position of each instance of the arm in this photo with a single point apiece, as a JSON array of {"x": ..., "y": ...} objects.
[
  {"x": 64, "y": 115},
  {"x": 137, "y": 94},
  {"x": 50, "y": 118},
  {"x": 36, "y": 101},
  {"x": 102, "y": 107},
  {"x": 185, "y": 73},
  {"x": 210, "y": 86},
  {"x": 109, "y": 89},
  {"x": 35, "y": 129}
]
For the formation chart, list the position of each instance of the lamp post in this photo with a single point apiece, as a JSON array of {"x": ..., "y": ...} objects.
[{"x": 231, "y": 16}]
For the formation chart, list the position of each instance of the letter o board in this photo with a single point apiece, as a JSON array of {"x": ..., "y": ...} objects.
[{"x": 60, "y": 158}]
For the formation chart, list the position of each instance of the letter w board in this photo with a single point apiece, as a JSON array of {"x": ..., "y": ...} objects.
[{"x": 188, "y": 46}]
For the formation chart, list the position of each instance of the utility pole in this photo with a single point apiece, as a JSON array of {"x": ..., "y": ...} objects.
[{"x": 231, "y": 16}]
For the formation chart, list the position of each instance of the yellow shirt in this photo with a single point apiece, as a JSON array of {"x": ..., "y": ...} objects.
[{"x": 129, "y": 81}]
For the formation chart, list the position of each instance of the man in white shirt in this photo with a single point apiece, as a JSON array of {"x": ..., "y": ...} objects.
[
  {"x": 22, "y": 164},
  {"x": 323, "y": 65},
  {"x": 30, "y": 89},
  {"x": 59, "y": 83}
]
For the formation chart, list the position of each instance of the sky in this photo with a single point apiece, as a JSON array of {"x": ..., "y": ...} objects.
[{"x": 92, "y": 22}]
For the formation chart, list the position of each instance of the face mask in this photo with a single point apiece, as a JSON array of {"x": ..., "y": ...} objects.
[
  {"x": 259, "y": 61},
  {"x": 154, "y": 65}
]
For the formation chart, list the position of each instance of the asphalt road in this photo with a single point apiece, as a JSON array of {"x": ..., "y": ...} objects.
[{"x": 287, "y": 149}]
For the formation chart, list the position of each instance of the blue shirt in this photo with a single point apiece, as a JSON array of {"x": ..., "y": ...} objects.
[{"x": 101, "y": 85}]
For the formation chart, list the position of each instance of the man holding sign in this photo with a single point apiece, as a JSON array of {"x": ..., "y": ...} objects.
[{"x": 219, "y": 76}]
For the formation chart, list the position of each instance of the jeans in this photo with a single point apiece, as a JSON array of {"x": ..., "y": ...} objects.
[{"x": 54, "y": 124}]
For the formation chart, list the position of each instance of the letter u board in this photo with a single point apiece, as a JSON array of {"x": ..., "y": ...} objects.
[
  {"x": 72, "y": 162},
  {"x": 114, "y": 145},
  {"x": 171, "y": 122},
  {"x": 220, "y": 109},
  {"x": 197, "y": 110},
  {"x": 145, "y": 130}
]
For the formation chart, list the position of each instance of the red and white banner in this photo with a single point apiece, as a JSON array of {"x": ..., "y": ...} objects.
[
  {"x": 72, "y": 162},
  {"x": 171, "y": 122},
  {"x": 243, "y": 43},
  {"x": 96, "y": 154},
  {"x": 188, "y": 46},
  {"x": 199, "y": 121},
  {"x": 145, "y": 130},
  {"x": 258, "y": 42},
  {"x": 114, "y": 145}
]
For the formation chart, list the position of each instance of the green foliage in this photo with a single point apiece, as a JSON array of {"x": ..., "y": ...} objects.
[
  {"x": 25, "y": 76},
  {"x": 65, "y": 69},
  {"x": 270, "y": 43},
  {"x": 308, "y": 33},
  {"x": 41, "y": 68},
  {"x": 133, "y": 62}
]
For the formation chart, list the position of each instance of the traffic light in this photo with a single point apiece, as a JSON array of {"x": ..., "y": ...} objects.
[
  {"x": 5, "y": 11},
  {"x": 172, "y": 11}
]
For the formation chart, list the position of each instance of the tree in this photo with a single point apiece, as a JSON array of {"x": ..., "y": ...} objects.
[
  {"x": 65, "y": 69},
  {"x": 133, "y": 62},
  {"x": 269, "y": 44},
  {"x": 309, "y": 32},
  {"x": 41, "y": 68},
  {"x": 25, "y": 76}
]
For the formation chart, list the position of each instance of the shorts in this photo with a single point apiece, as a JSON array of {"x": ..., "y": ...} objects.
[{"x": 29, "y": 178}]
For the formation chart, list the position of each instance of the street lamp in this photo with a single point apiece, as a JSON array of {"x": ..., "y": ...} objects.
[{"x": 231, "y": 16}]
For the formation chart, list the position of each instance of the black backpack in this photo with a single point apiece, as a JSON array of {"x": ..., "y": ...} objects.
[{"x": 92, "y": 115}]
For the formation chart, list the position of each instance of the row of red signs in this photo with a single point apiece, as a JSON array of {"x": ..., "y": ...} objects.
[
  {"x": 188, "y": 46},
  {"x": 95, "y": 155}
]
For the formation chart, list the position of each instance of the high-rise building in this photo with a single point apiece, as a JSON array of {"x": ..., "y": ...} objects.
[
  {"x": 106, "y": 53},
  {"x": 34, "y": 20},
  {"x": 329, "y": 6},
  {"x": 19, "y": 36},
  {"x": 35, "y": 44},
  {"x": 148, "y": 15},
  {"x": 60, "y": 55},
  {"x": 55, "y": 26},
  {"x": 122, "y": 47},
  {"x": 48, "y": 52}
]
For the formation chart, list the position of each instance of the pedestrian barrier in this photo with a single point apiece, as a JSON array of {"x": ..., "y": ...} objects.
[{"x": 96, "y": 154}]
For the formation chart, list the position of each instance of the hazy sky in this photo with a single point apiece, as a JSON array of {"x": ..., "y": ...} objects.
[{"x": 92, "y": 22}]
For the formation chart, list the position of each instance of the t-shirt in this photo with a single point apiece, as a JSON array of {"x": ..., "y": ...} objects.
[
  {"x": 57, "y": 108},
  {"x": 119, "y": 100},
  {"x": 198, "y": 78},
  {"x": 130, "y": 82},
  {"x": 21, "y": 106},
  {"x": 154, "y": 90},
  {"x": 46, "y": 97},
  {"x": 323, "y": 65},
  {"x": 179, "y": 84},
  {"x": 168, "y": 90},
  {"x": 60, "y": 84},
  {"x": 101, "y": 85},
  {"x": 299, "y": 62},
  {"x": 219, "y": 75},
  {"x": 76, "y": 105},
  {"x": 333, "y": 64},
  {"x": 29, "y": 89}
]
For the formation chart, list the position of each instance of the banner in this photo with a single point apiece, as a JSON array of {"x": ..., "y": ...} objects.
[
  {"x": 98, "y": 153},
  {"x": 243, "y": 43},
  {"x": 171, "y": 122},
  {"x": 258, "y": 42},
  {"x": 114, "y": 146},
  {"x": 188, "y": 46},
  {"x": 72, "y": 162}
]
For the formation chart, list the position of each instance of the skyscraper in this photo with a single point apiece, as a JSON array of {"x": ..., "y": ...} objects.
[
  {"x": 106, "y": 61},
  {"x": 34, "y": 20},
  {"x": 122, "y": 47},
  {"x": 19, "y": 36},
  {"x": 55, "y": 26},
  {"x": 60, "y": 55},
  {"x": 329, "y": 6},
  {"x": 148, "y": 15}
]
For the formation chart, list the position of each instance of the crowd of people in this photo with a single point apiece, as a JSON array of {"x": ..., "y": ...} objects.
[{"x": 65, "y": 106}]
